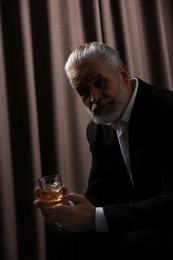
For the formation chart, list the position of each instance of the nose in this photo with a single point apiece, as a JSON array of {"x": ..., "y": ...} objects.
[{"x": 95, "y": 95}]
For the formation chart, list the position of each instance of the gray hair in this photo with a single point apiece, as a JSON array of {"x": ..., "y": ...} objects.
[{"x": 91, "y": 50}]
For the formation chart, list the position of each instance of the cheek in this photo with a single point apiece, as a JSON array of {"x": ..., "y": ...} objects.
[{"x": 112, "y": 93}]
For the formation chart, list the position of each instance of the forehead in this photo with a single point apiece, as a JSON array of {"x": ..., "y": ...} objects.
[{"x": 88, "y": 71}]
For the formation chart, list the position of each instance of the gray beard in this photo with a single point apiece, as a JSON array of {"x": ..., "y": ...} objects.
[{"x": 114, "y": 114}]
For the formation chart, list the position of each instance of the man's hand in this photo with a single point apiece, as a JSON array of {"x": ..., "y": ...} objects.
[{"x": 77, "y": 218}]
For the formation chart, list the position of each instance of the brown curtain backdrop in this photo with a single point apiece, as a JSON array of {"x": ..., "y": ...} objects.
[{"x": 42, "y": 121}]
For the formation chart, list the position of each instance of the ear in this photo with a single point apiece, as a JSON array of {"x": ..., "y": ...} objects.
[{"x": 124, "y": 73}]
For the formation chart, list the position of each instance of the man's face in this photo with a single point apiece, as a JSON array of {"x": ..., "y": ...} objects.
[{"x": 102, "y": 91}]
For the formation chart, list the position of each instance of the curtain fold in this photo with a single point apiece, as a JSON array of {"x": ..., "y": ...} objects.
[
  {"x": 7, "y": 210},
  {"x": 42, "y": 121}
]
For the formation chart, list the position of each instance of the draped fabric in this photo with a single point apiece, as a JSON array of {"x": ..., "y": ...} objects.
[{"x": 42, "y": 121}]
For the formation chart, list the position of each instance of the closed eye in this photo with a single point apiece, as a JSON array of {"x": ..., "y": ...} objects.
[
  {"x": 83, "y": 91},
  {"x": 100, "y": 83}
]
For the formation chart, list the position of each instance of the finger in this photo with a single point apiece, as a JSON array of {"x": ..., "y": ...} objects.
[
  {"x": 50, "y": 214},
  {"x": 38, "y": 203},
  {"x": 64, "y": 190},
  {"x": 38, "y": 193}
]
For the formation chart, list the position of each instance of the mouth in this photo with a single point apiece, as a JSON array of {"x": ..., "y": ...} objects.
[{"x": 101, "y": 109}]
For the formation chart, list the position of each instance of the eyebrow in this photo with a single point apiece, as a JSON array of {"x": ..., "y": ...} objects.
[{"x": 81, "y": 76}]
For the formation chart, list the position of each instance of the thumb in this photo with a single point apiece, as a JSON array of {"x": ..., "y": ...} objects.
[{"x": 75, "y": 198}]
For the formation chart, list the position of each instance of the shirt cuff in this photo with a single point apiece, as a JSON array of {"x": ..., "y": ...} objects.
[{"x": 100, "y": 220}]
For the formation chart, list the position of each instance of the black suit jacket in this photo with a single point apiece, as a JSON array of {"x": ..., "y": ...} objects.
[{"x": 151, "y": 158}]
